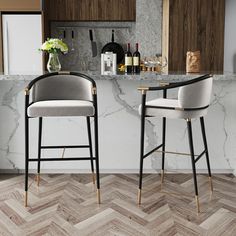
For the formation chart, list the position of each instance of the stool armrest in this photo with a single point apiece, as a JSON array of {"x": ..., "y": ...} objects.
[{"x": 167, "y": 85}]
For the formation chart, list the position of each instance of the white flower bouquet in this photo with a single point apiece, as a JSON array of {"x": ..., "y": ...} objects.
[{"x": 54, "y": 46}]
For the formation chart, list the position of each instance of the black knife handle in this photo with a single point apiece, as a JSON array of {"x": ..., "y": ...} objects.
[{"x": 91, "y": 35}]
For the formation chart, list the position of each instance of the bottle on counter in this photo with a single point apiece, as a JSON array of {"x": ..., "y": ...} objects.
[
  {"x": 136, "y": 61},
  {"x": 128, "y": 60}
]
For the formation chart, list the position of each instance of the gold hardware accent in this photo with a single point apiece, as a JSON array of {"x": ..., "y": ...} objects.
[
  {"x": 93, "y": 177},
  {"x": 179, "y": 109},
  {"x": 94, "y": 90},
  {"x": 98, "y": 196},
  {"x": 63, "y": 153},
  {"x": 162, "y": 178},
  {"x": 211, "y": 186},
  {"x": 178, "y": 153},
  {"x": 26, "y": 91},
  {"x": 197, "y": 204},
  {"x": 38, "y": 179},
  {"x": 139, "y": 196},
  {"x": 143, "y": 89},
  {"x": 64, "y": 72},
  {"x": 26, "y": 198},
  {"x": 162, "y": 84}
]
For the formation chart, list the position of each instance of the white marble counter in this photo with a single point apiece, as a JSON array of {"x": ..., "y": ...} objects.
[{"x": 119, "y": 127}]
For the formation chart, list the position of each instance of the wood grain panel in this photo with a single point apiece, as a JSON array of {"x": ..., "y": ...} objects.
[
  {"x": 1, "y": 44},
  {"x": 196, "y": 25},
  {"x": 91, "y": 10},
  {"x": 20, "y": 5}
]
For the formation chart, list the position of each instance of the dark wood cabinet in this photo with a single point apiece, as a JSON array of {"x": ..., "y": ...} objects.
[
  {"x": 22, "y": 5},
  {"x": 90, "y": 10},
  {"x": 190, "y": 25}
]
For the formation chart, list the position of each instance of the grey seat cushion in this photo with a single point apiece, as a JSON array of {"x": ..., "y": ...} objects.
[
  {"x": 174, "y": 114},
  {"x": 61, "y": 108}
]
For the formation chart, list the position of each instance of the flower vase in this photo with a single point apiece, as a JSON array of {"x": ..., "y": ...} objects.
[{"x": 53, "y": 64}]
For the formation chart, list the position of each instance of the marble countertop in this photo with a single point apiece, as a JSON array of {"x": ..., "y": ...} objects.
[{"x": 145, "y": 76}]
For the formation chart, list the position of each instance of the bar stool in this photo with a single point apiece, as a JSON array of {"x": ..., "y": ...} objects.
[
  {"x": 56, "y": 95},
  {"x": 193, "y": 102}
]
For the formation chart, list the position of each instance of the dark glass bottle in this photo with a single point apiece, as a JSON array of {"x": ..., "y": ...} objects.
[
  {"x": 128, "y": 60},
  {"x": 136, "y": 61}
]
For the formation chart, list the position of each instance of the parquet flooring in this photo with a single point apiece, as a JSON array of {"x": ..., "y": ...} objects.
[{"x": 66, "y": 205}]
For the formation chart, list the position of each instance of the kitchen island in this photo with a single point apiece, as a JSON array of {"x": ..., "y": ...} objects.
[{"x": 119, "y": 127}]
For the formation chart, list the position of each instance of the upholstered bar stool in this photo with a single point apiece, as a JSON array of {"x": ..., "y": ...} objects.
[
  {"x": 192, "y": 103},
  {"x": 58, "y": 95}
]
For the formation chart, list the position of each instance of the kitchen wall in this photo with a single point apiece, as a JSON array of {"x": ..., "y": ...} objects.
[
  {"x": 146, "y": 31},
  {"x": 230, "y": 36}
]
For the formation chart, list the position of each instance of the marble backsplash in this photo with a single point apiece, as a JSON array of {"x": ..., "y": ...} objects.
[{"x": 146, "y": 31}]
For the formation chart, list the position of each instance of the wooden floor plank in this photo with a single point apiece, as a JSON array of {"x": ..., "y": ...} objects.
[{"x": 66, "y": 204}]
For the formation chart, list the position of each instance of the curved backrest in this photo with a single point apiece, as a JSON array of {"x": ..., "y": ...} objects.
[
  {"x": 62, "y": 87},
  {"x": 196, "y": 95}
]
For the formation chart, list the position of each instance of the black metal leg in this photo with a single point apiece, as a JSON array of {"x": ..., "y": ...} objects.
[
  {"x": 97, "y": 156},
  {"x": 141, "y": 155},
  {"x": 190, "y": 137},
  {"x": 26, "y": 158},
  {"x": 163, "y": 149},
  {"x": 206, "y": 149},
  {"x": 39, "y": 148},
  {"x": 90, "y": 146}
]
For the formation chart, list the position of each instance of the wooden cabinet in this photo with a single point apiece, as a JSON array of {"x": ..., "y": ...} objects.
[
  {"x": 20, "y": 5},
  {"x": 190, "y": 25},
  {"x": 90, "y": 10}
]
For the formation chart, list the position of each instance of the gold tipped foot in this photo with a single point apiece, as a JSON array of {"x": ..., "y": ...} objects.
[
  {"x": 197, "y": 204},
  {"x": 139, "y": 197},
  {"x": 162, "y": 178},
  {"x": 211, "y": 187},
  {"x": 98, "y": 196},
  {"x": 93, "y": 177},
  {"x": 38, "y": 179},
  {"x": 26, "y": 198}
]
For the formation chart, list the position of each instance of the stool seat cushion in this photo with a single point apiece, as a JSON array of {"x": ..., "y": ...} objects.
[
  {"x": 168, "y": 113},
  {"x": 61, "y": 108}
]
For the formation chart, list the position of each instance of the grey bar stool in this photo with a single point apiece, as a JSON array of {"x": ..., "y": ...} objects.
[
  {"x": 193, "y": 102},
  {"x": 56, "y": 95}
]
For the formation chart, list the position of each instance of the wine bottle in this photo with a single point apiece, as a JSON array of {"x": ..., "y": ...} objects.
[
  {"x": 128, "y": 60},
  {"x": 136, "y": 61}
]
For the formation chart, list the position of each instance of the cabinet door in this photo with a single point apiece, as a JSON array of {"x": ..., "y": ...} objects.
[
  {"x": 22, "y": 5},
  {"x": 60, "y": 10},
  {"x": 116, "y": 10},
  {"x": 91, "y": 10},
  {"x": 194, "y": 25}
]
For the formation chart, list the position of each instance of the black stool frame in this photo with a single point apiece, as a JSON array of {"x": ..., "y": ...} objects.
[
  {"x": 194, "y": 158},
  {"x": 40, "y": 147}
]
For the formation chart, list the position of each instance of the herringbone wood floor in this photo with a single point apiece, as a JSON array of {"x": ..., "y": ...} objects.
[{"x": 66, "y": 205}]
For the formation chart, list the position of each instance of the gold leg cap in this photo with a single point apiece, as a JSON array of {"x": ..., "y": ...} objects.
[
  {"x": 139, "y": 197},
  {"x": 98, "y": 196},
  {"x": 197, "y": 204},
  {"x": 211, "y": 186},
  {"x": 162, "y": 178},
  {"x": 93, "y": 177},
  {"x": 26, "y": 198},
  {"x": 38, "y": 179}
]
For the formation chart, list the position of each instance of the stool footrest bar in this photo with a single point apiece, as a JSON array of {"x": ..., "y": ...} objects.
[
  {"x": 65, "y": 146},
  {"x": 153, "y": 150},
  {"x": 63, "y": 159},
  {"x": 197, "y": 159}
]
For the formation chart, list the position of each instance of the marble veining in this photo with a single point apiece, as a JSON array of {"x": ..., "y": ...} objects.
[{"x": 119, "y": 127}]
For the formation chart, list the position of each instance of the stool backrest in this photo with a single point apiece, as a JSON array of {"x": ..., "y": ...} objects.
[
  {"x": 196, "y": 95},
  {"x": 62, "y": 87}
]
